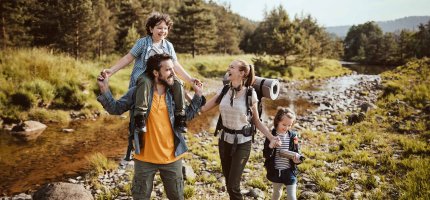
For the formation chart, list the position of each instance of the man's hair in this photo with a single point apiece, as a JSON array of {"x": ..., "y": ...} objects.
[
  {"x": 155, "y": 18},
  {"x": 154, "y": 63}
]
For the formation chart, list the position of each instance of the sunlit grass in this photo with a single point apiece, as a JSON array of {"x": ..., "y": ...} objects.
[{"x": 99, "y": 163}]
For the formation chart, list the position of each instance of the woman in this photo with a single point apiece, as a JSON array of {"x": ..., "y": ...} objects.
[{"x": 235, "y": 140}]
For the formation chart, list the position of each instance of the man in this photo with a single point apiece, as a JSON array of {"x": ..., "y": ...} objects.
[{"x": 164, "y": 144}]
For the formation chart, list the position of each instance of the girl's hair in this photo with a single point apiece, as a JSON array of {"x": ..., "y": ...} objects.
[
  {"x": 155, "y": 18},
  {"x": 249, "y": 72},
  {"x": 283, "y": 112}
]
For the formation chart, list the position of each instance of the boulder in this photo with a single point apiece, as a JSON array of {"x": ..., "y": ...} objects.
[
  {"x": 188, "y": 172},
  {"x": 366, "y": 106},
  {"x": 28, "y": 130},
  {"x": 61, "y": 191},
  {"x": 356, "y": 118}
]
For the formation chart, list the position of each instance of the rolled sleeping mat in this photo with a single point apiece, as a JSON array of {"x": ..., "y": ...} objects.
[{"x": 266, "y": 87}]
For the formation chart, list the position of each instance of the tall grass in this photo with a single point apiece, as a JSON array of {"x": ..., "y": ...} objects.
[
  {"x": 99, "y": 163},
  {"x": 38, "y": 79}
]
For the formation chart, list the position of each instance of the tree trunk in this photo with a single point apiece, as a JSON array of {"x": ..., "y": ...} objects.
[
  {"x": 4, "y": 32},
  {"x": 76, "y": 44}
]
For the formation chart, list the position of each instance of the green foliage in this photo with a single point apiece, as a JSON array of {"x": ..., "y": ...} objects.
[
  {"x": 33, "y": 79},
  {"x": 325, "y": 182},
  {"x": 257, "y": 183},
  {"x": 24, "y": 99},
  {"x": 195, "y": 28},
  {"x": 16, "y": 15},
  {"x": 69, "y": 97},
  {"x": 131, "y": 38},
  {"x": 415, "y": 185},
  {"x": 100, "y": 163},
  {"x": 189, "y": 191},
  {"x": 43, "y": 115},
  {"x": 367, "y": 44},
  {"x": 44, "y": 91}
]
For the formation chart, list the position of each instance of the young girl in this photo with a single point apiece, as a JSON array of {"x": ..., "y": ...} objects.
[
  {"x": 281, "y": 170},
  {"x": 235, "y": 142}
]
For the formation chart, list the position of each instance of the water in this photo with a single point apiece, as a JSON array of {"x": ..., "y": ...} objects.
[
  {"x": 366, "y": 69},
  {"x": 56, "y": 155}
]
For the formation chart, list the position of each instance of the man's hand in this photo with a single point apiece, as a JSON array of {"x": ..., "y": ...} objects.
[
  {"x": 198, "y": 88},
  {"x": 103, "y": 83},
  {"x": 195, "y": 81},
  {"x": 106, "y": 73}
]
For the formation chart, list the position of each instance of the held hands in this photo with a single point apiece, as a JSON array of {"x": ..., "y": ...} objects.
[
  {"x": 195, "y": 81},
  {"x": 198, "y": 87},
  {"x": 102, "y": 82},
  {"x": 106, "y": 73},
  {"x": 275, "y": 142}
]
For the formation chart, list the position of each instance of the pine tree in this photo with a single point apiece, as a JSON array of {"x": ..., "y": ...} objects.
[
  {"x": 195, "y": 29},
  {"x": 77, "y": 32},
  {"x": 130, "y": 12},
  {"x": 131, "y": 38},
  {"x": 15, "y": 18},
  {"x": 228, "y": 35},
  {"x": 105, "y": 31}
]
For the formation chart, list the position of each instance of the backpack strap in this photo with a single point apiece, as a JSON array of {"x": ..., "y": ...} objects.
[
  {"x": 249, "y": 92},
  {"x": 219, "y": 125}
]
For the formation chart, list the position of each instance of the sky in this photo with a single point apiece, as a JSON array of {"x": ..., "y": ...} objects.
[{"x": 334, "y": 12}]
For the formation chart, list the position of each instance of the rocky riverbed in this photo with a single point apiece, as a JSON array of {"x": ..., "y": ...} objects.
[{"x": 332, "y": 102}]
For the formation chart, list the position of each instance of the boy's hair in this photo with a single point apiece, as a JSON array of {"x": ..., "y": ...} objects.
[
  {"x": 156, "y": 18},
  {"x": 249, "y": 72},
  {"x": 283, "y": 112},
  {"x": 154, "y": 63}
]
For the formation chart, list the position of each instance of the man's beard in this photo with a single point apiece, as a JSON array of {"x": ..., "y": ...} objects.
[{"x": 163, "y": 81}]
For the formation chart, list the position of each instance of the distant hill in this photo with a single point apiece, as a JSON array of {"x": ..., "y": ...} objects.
[{"x": 410, "y": 23}]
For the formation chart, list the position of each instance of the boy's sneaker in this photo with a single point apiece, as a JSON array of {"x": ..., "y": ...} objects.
[{"x": 180, "y": 123}]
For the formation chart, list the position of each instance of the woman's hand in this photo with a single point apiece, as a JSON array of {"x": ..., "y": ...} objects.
[
  {"x": 106, "y": 73},
  {"x": 275, "y": 141}
]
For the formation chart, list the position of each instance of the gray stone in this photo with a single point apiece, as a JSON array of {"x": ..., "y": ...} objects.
[
  {"x": 255, "y": 193},
  {"x": 68, "y": 130},
  {"x": 60, "y": 191},
  {"x": 28, "y": 130},
  {"x": 308, "y": 195},
  {"x": 355, "y": 175},
  {"x": 188, "y": 172}
]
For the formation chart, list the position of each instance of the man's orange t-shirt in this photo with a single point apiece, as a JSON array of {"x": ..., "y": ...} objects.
[{"x": 159, "y": 139}]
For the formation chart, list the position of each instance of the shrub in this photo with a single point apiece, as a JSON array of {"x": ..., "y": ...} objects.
[
  {"x": 69, "y": 96},
  {"x": 44, "y": 115},
  {"x": 189, "y": 191},
  {"x": 257, "y": 183},
  {"x": 416, "y": 184},
  {"x": 43, "y": 90},
  {"x": 100, "y": 162},
  {"x": 23, "y": 99}
]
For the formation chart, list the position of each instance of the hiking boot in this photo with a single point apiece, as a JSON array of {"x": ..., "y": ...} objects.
[{"x": 180, "y": 123}]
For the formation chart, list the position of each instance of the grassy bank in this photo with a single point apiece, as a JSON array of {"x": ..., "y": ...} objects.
[{"x": 388, "y": 153}]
